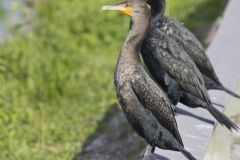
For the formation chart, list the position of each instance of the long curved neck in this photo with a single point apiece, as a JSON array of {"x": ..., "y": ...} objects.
[
  {"x": 131, "y": 48},
  {"x": 157, "y": 7}
]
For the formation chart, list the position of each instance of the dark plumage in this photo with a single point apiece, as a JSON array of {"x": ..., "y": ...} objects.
[
  {"x": 191, "y": 45},
  {"x": 175, "y": 71},
  {"x": 145, "y": 105}
]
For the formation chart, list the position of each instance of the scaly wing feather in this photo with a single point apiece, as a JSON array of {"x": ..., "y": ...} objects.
[{"x": 155, "y": 100}]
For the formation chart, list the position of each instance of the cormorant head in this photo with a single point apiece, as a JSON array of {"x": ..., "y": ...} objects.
[{"x": 137, "y": 9}]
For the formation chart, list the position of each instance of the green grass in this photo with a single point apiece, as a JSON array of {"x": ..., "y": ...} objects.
[{"x": 57, "y": 79}]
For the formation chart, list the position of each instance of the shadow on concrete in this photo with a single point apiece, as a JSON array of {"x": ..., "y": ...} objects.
[
  {"x": 158, "y": 157},
  {"x": 218, "y": 105},
  {"x": 154, "y": 157},
  {"x": 184, "y": 112}
]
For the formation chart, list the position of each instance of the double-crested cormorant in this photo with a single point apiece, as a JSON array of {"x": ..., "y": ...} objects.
[
  {"x": 145, "y": 105},
  {"x": 175, "y": 71},
  {"x": 190, "y": 43}
]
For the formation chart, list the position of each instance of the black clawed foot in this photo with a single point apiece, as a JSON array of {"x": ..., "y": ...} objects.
[{"x": 153, "y": 148}]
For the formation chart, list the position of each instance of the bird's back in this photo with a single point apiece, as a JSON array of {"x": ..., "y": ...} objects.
[
  {"x": 159, "y": 74},
  {"x": 176, "y": 62},
  {"x": 190, "y": 43}
]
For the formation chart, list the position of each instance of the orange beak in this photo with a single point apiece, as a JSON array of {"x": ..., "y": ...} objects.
[{"x": 120, "y": 7}]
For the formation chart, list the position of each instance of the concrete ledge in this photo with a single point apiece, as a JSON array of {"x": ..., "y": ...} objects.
[{"x": 220, "y": 145}]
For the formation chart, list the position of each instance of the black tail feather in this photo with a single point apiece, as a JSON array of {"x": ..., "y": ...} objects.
[
  {"x": 222, "y": 119},
  {"x": 230, "y": 92},
  {"x": 187, "y": 154}
]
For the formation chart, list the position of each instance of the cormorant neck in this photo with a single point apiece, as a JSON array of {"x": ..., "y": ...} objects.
[
  {"x": 157, "y": 7},
  {"x": 138, "y": 30}
]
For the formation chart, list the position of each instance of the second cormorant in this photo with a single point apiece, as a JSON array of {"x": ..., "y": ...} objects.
[
  {"x": 189, "y": 42},
  {"x": 175, "y": 71}
]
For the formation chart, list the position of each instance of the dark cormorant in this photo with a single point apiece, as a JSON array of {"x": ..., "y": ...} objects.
[
  {"x": 190, "y": 43},
  {"x": 145, "y": 105},
  {"x": 175, "y": 71}
]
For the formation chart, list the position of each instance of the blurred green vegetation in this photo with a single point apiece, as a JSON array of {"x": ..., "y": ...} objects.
[
  {"x": 57, "y": 79},
  {"x": 196, "y": 13}
]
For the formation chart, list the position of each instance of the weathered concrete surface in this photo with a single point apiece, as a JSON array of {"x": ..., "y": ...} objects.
[
  {"x": 224, "y": 53},
  {"x": 225, "y": 145}
]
